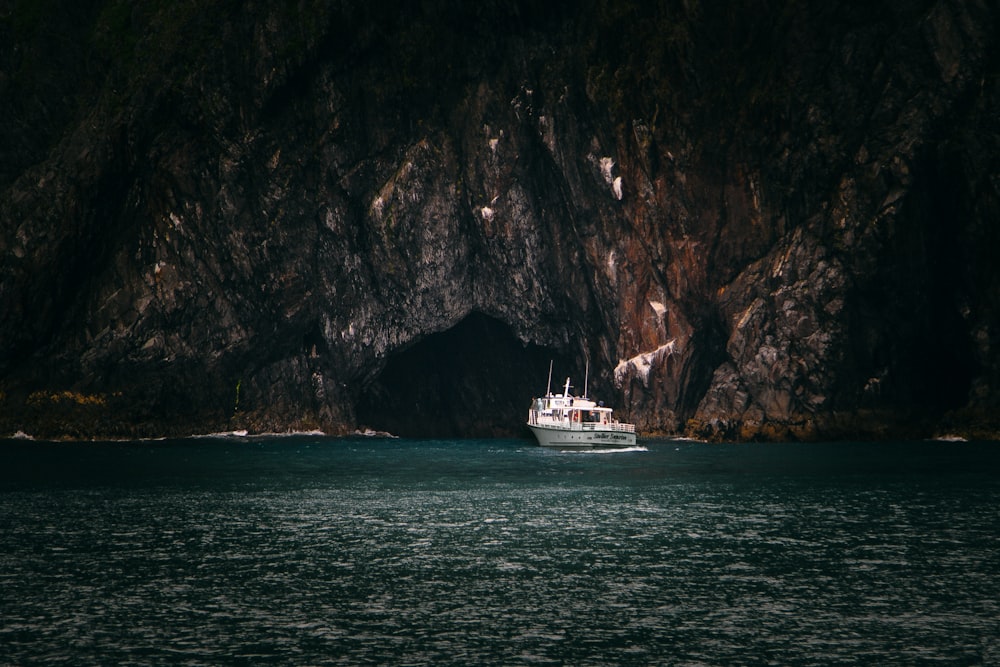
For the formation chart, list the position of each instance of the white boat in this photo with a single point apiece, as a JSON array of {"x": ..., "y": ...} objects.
[{"x": 567, "y": 421}]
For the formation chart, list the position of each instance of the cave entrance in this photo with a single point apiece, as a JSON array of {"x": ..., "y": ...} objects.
[{"x": 475, "y": 380}]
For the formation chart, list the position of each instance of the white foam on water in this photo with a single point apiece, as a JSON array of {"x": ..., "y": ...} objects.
[
  {"x": 239, "y": 433},
  {"x": 612, "y": 450}
]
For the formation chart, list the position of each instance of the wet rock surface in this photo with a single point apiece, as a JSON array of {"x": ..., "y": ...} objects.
[{"x": 775, "y": 221}]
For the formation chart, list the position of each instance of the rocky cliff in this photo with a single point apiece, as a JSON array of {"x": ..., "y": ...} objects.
[{"x": 776, "y": 220}]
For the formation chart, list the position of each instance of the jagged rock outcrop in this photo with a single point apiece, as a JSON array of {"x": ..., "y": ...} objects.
[{"x": 768, "y": 221}]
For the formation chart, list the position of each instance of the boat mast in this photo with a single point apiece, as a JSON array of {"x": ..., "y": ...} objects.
[
  {"x": 586, "y": 378},
  {"x": 548, "y": 387}
]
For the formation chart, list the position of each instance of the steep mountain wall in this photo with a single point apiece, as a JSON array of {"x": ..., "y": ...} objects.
[{"x": 772, "y": 220}]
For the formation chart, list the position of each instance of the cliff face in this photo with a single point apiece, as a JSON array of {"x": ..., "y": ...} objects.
[{"x": 771, "y": 221}]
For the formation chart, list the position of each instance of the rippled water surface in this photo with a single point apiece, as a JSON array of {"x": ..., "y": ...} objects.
[{"x": 328, "y": 551}]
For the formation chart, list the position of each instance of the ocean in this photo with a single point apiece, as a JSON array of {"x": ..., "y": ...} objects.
[{"x": 310, "y": 550}]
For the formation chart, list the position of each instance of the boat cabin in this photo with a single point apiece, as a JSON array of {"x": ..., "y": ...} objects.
[{"x": 570, "y": 409}]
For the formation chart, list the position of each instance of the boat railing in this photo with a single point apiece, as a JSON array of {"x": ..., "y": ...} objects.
[
  {"x": 545, "y": 420},
  {"x": 613, "y": 426}
]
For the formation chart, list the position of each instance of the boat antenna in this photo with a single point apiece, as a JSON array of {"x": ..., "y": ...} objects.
[
  {"x": 548, "y": 387},
  {"x": 586, "y": 378}
]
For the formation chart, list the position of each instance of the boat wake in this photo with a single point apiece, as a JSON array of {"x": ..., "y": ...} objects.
[{"x": 610, "y": 450}]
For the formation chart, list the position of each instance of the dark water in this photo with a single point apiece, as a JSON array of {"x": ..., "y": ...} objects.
[{"x": 323, "y": 551}]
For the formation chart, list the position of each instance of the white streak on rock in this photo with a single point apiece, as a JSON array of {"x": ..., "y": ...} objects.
[
  {"x": 607, "y": 164},
  {"x": 642, "y": 364},
  {"x": 751, "y": 309},
  {"x": 616, "y": 187}
]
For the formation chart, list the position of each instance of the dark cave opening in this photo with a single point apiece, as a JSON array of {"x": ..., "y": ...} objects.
[
  {"x": 943, "y": 363},
  {"x": 916, "y": 337},
  {"x": 474, "y": 380}
]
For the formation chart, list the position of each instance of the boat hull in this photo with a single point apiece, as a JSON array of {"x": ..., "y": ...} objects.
[{"x": 566, "y": 438}]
